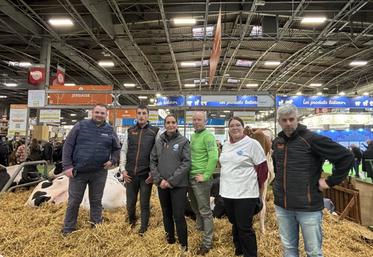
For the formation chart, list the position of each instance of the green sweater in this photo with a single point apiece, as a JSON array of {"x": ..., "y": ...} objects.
[{"x": 204, "y": 153}]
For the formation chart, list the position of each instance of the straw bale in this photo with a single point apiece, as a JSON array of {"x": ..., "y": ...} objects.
[{"x": 35, "y": 232}]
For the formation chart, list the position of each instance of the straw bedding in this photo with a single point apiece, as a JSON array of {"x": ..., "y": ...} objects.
[{"x": 36, "y": 232}]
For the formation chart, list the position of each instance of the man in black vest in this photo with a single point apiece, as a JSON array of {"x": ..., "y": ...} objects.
[
  {"x": 298, "y": 156},
  {"x": 90, "y": 149},
  {"x": 134, "y": 164}
]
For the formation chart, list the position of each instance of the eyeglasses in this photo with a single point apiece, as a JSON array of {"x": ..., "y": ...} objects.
[{"x": 102, "y": 113}]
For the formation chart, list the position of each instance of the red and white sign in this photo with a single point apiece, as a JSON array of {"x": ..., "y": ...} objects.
[
  {"x": 59, "y": 78},
  {"x": 36, "y": 74}
]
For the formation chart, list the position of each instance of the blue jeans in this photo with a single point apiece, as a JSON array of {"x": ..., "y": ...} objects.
[{"x": 310, "y": 224}]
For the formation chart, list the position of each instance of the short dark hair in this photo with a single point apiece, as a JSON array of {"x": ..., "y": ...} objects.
[
  {"x": 143, "y": 106},
  {"x": 100, "y": 105},
  {"x": 237, "y": 119},
  {"x": 170, "y": 115}
]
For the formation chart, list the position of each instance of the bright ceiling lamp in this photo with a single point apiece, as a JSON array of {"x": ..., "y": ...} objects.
[
  {"x": 106, "y": 63},
  {"x": 24, "y": 64},
  {"x": 194, "y": 63},
  {"x": 61, "y": 22},
  {"x": 365, "y": 93},
  {"x": 3, "y": 96},
  {"x": 319, "y": 93},
  {"x": 342, "y": 93},
  {"x": 272, "y": 63},
  {"x": 70, "y": 84},
  {"x": 158, "y": 95},
  {"x": 313, "y": 20},
  {"x": 315, "y": 85},
  {"x": 142, "y": 97},
  {"x": 251, "y": 85},
  {"x": 10, "y": 84},
  {"x": 129, "y": 85},
  {"x": 299, "y": 93},
  {"x": 184, "y": 21},
  {"x": 189, "y": 85},
  {"x": 358, "y": 63}
]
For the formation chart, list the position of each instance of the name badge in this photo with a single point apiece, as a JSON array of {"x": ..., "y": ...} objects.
[{"x": 105, "y": 135}]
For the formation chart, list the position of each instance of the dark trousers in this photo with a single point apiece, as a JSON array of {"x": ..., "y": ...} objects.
[
  {"x": 133, "y": 188},
  {"x": 96, "y": 183},
  {"x": 240, "y": 213},
  {"x": 173, "y": 206}
]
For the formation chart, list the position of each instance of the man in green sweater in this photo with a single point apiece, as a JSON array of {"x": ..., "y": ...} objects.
[{"x": 204, "y": 153}]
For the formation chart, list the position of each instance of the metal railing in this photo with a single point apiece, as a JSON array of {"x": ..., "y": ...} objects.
[{"x": 8, "y": 187}]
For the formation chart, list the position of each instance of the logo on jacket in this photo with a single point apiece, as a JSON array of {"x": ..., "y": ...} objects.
[
  {"x": 240, "y": 152},
  {"x": 280, "y": 146},
  {"x": 175, "y": 147}
]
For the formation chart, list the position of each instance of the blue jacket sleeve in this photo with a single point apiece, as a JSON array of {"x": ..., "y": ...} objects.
[{"x": 69, "y": 146}]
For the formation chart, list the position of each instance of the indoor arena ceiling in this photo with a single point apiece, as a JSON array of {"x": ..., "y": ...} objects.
[{"x": 150, "y": 50}]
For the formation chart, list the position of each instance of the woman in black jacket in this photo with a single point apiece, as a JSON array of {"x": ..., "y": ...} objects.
[{"x": 170, "y": 163}]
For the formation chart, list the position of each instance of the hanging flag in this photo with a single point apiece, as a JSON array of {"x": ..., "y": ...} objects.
[
  {"x": 36, "y": 74},
  {"x": 59, "y": 77},
  {"x": 216, "y": 50}
]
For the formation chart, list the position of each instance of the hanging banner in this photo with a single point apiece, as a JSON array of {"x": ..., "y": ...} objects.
[
  {"x": 49, "y": 115},
  {"x": 17, "y": 119},
  {"x": 36, "y": 98},
  {"x": 170, "y": 101},
  {"x": 326, "y": 102},
  {"x": 59, "y": 77},
  {"x": 216, "y": 51},
  {"x": 119, "y": 114},
  {"x": 36, "y": 74},
  {"x": 84, "y": 98}
]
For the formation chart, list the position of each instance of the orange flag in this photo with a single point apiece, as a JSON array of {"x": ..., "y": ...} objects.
[{"x": 216, "y": 51}]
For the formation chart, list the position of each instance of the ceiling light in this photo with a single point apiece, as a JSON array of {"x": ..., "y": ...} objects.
[
  {"x": 73, "y": 120},
  {"x": 158, "y": 95},
  {"x": 251, "y": 85},
  {"x": 330, "y": 43},
  {"x": 315, "y": 85},
  {"x": 319, "y": 93},
  {"x": 197, "y": 81},
  {"x": 24, "y": 64},
  {"x": 3, "y": 96},
  {"x": 244, "y": 63},
  {"x": 70, "y": 84},
  {"x": 313, "y": 20},
  {"x": 129, "y": 85},
  {"x": 10, "y": 84},
  {"x": 227, "y": 111},
  {"x": 72, "y": 114},
  {"x": 222, "y": 116},
  {"x": 189, "y": 85},
  {"x": 61, "y": 22},
  {"x": 106, "y": 63},
  {"x": 63, "y": 122},
  {"x": 142, "y": 97},
  {"x": 152, "y": 100},
  {"x": 195, "y": 63},
  {"x": 199, "y": 32},
  {"x": 342, "y": 93},
  {"x": 256, "y": 31},
  {"x": 272, "y": 63},
  {"x": 365, "y": 93},
  {"x": 184, "y": 21},
  {"x": 358, "y": 63},
  {"x": 299, "y": 93},
  {"x": 233, "y": 81}
]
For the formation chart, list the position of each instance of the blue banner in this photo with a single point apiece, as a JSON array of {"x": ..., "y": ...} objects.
[
  {"x": 240, "y": 101},
  {"x": 170, "y": 101},
  {"x": 193, "y": 100},
  {"x": 326, "y": 102},
  {"x": 128, "y": 121}
]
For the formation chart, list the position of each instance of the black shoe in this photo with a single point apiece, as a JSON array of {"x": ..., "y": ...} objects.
[
  {"x": 171, "y": 240},
  {"x": 65, "y": 233},
  {"x": 142, "y": 231},
  {"x": 203, "y": 250}
]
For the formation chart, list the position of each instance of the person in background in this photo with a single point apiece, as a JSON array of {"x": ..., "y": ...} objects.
[
  {"x": 298, "y": 157},
  {"x": 367, "y": 160},
  {"x": 4, "y": 152},
  {"x": 90, "y": 149},
  {"x": 134, "y": 164},
  {"x": 357, "y": 159},
  {"x": 48, "y": 151},
  {"x": 170, "y": 165},
  {"x": 243, "y": 173},
  {"x": 34, "y": 151},
  {"x": 21, "y": 151},
  {"x": 204, "y": 152}
]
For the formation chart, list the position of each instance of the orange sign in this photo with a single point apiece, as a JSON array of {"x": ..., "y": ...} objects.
[
  {"x": 85, "y": 98},
  {"x": 121, "y": 113}
]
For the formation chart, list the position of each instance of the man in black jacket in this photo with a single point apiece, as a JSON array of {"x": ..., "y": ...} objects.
[
  {"x": 368, "y": 160},
  {"x": 298, "y": 158},
  {"x": 134, "y": 164}
]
